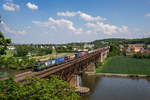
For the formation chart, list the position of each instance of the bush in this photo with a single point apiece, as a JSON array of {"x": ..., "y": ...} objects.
[
  {"x": 98, "y": 64},
  {"x": 147, "y": 56},
  {"x": 138, "y": 55},
  {"x": 114, "y": 50},
  {"x": 21, "y": 50},
  {"x": 16, "y": 63},
  {"x": 3, "y": 44}
]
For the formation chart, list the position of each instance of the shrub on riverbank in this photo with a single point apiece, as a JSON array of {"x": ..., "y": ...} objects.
[
  {"x": 97, "y": 64},
  {"x": 101, "y": 65}
]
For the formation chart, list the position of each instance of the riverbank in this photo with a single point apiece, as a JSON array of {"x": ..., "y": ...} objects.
[
  {"x": 123, "y": 66},
  {"x": 117, "y": 75}
]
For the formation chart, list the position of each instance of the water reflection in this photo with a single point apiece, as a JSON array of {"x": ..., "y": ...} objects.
[{"x": 114, "y": 88}]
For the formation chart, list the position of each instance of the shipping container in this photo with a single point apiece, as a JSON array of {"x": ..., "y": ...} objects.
[
  {"x": 50, "y": 63},
  {"x": 67, "y": 58},
  {"x": 91, "y": 51},
  {"x": 84, "y": 53},
  {"x": 53, "y": 62},
  {"x": 59, "y": 60},
  {"x": 73, "y": 56},
  {"x": 77, "y": 55}
]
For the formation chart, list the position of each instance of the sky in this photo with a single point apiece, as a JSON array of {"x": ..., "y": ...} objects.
[{"x": 65, "y": 21}]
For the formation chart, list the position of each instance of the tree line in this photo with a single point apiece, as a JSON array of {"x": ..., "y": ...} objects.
[{"x": 37, "y": 89}]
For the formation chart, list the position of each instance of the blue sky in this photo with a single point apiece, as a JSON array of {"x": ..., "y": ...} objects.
[{"x": 63, "y": 21}]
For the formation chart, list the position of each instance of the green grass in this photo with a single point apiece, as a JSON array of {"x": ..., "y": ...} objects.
[
  {"x": 53, "y": 51},
  {"x": 126, "y": 65},
  {"x": 102, "y": 66}
]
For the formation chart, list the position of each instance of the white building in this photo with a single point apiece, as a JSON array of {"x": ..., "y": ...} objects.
[
  {"x": 88, "y": 45},
  {"x": 11, "y": 47}
]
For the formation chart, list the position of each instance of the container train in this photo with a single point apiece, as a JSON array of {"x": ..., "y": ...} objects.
[
  {"x": 40, "y": 65},
  {"x": 59, "y": 60}
]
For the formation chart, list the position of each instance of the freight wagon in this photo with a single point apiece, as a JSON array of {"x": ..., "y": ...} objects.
[
  {"x": 59, "y": 60},
  {"x": 77, "y": 55}
]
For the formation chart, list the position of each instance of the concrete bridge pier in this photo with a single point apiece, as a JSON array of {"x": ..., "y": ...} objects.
[
  {"x": 103, "y": 56},
  {"x": 91, "y": 68},
  {"x": 74, "y": 81}
]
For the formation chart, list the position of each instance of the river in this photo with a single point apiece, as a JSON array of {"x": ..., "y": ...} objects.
[{"x": 114, "y": 88}]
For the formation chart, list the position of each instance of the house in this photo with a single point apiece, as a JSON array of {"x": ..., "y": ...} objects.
[
  {"x": 138, "y": 49},
  {"x": 88, "y": 45},
  {"x": 148, "y": 50},
  {"x": 75, "y": 49},
  {"x": 121, "y": 47},
  {"x": 65, "y": 46},
  {"x": 130, "y": 48},
  {"x": 11, "y": 47},
  {"x": 135, "y": 47}
]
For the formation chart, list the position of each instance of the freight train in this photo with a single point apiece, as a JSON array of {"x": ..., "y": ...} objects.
[
  {"x": 40, "y": 65},
  {"x": 59, "y": 60}
]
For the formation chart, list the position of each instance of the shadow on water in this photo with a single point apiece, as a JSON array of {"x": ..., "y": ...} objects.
[{"x": 115, "y": 88}]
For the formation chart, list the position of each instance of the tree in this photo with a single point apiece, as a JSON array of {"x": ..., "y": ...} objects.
[
  {"x": 3, "y": 44},
  {"x": 114, "y": 50},
  {"x": 138, "y": 55},
  {"x": 21, "y": 50},
  {"x": 1, "y": 35},
  {"x": 37, "y": 89},
  {"x": 147, "y": 56},
  {"x": 8, "y": 41}
]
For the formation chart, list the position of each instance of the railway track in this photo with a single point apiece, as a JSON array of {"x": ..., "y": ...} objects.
[
  {"x": 51, "y": 70},
  {"x": 54, "y": 69}
]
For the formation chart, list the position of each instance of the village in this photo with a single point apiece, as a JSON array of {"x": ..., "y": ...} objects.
[{"x": 132, "y": 49}]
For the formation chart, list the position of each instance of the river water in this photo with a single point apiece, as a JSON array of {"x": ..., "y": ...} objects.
[{"x": 114, "y": 88}]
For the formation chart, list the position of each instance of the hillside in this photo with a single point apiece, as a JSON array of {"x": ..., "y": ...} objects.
[{"x": 123, "y": 41}]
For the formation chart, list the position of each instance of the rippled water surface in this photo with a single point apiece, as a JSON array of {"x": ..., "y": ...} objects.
[{"x": 114, "y": 88}]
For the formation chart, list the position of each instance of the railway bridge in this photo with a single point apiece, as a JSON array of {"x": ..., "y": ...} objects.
[{"x": 69, "y": 69}]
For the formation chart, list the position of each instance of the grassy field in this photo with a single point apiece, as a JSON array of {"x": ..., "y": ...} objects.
[{"x": 125, "y": 65}]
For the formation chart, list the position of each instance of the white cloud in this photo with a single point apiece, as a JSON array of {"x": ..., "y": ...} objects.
[
  {"x": 148, "y": 14},
  {"x": 32, "y": 6},
  {"x": 61, "y": 24},
  {"x": 8, "y": 30},
  {"x": 10, "y": 6},
  {"x": 82, "y": 15},
  {"x": 100, "y": 27},
  {"x": 67, "y": 14},
  {"x": 90, "y": 18},
  {"x": 96, "y": 27}
]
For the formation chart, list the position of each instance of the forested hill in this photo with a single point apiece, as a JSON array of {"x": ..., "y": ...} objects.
[{"x": 124, "y": 41}]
